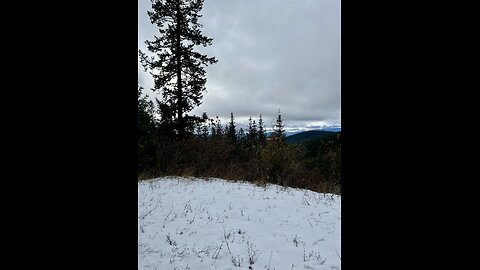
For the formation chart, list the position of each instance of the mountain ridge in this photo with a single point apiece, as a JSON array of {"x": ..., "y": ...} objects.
[{"x": 308, "y": 135}]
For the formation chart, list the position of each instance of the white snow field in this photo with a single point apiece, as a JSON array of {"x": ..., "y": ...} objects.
[{"x": 191, "y": 223}]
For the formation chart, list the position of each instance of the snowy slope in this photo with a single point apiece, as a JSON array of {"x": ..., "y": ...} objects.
[{"x": 217, "y": 224}]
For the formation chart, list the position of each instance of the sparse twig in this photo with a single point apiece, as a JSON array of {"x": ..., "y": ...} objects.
[
  {"x": 216, "y": 254},
  {"x": 153, "y": 236},
  {"x": 304, "y": 254},
  {"x": 253, "y": 253},
  {"x": 166, "y": 218},
  {"x": 237, "y": 261},
  {"x": 193, "y": 219},
  {"x": 306, "y": 202},
  {"x": 142, "y": 216},
  {"x": 187, "y": 208},
  {"x": 308, "y": 219},
  {"x": 296, "y": 240},
  {"x": 269, "y": 260},
  {"x": 170, "y": 241},
  {"x": 225, "y": 236}
]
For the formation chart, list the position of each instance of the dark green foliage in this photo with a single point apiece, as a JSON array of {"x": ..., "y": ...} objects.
[
  {"x": 216, "y": 129},
  {"x": 219, "y": 132},
  {"x": 232, "y": 132},
  {"x": 178, "y": 70},
  {"x": 241, "y": 136},
  {"x": 262, "y": 138},
  {"x": 204, "y": 126},
  {"x": 252, "y": 132},
  {"x": 279, "y": 131},
  {"x": 277, "y": 162},
  {"x": 324, "y": 154},
  {"x": 252, "y": 135},
  {"x": 166, "y": 124},
  {"x": 328, "y": 157},
  {"x": 201, "y": 127},
  {"x": 146, "y": 133}
]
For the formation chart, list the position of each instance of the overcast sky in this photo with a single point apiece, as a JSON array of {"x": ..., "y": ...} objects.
[{"x": 272, "y": 55}]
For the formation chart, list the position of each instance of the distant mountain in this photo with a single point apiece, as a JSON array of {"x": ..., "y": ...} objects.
[
  {"x": 334, "y": 129},
  {"x": 291, "y": 133},
  {"x": 287, "y": 133},
  {"x": 307, "y": 135}
]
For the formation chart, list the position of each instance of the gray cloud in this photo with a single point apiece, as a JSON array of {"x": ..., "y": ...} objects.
[{"x": 273, "y": 54}]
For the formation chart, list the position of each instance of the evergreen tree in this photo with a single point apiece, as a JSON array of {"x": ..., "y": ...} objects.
[
  {"x": 232, "y": 133},
  {"x": 278, "y": 131},
  {"x": 218, "y": 128},
  {"x": 254, "y": 136},
  {"x": 146, "y": 132},
  {"x": 198, "y": 131},
  {"x": 146, "y": 119},
  {"x": 241, "y": 136},
  {"x": 204, "y": 126},
  {"x": 252, "y": 131},
  {"x": 249, "y": 127},
  {"x": 213, "y": 129},
  {"x": 262, "y": 139},
  {"x": 178, "y": 71}
]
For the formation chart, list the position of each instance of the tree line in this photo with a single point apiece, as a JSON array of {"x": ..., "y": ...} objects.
[{"x": 213, "y": 149}]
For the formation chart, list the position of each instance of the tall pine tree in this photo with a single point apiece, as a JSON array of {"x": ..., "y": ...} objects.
[
  {"x": 178, "y": 71},
  {"x": 278, "y": 130},
  {"x": 232, "y": 133},
  {"x": 262, "y": 139},
  {"x": 252, "y": 131}
]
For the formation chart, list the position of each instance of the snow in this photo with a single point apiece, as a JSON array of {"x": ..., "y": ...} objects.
[{"x": 191, "y": 223}]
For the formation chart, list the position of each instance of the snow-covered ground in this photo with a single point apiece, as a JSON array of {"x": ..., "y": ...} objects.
[{"x": 188, "y": 223}]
